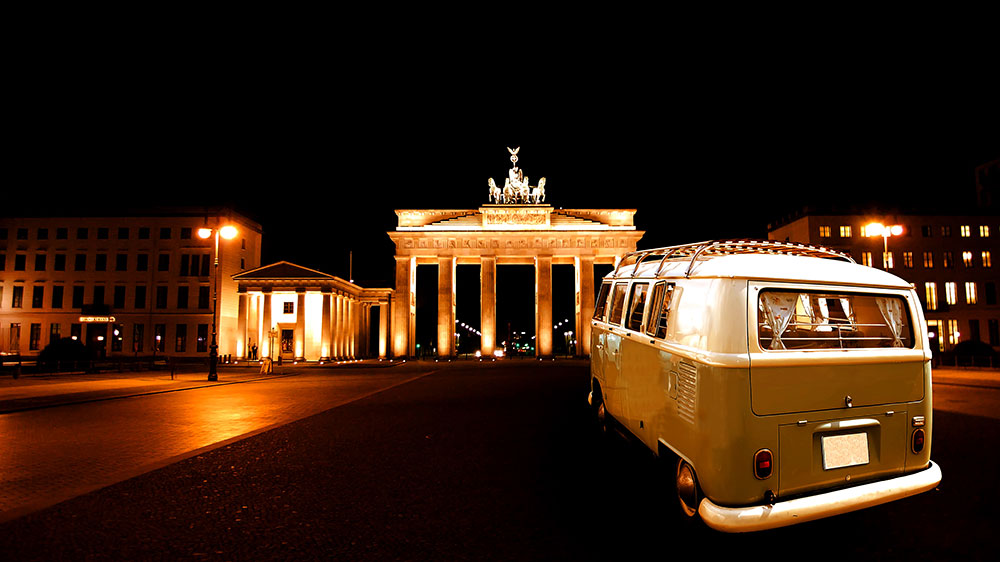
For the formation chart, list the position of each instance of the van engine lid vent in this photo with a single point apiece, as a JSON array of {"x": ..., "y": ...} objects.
[{"x": 687, "y": 391}]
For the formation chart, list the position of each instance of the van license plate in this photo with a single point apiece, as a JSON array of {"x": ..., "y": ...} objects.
[{"x": 845, "y": 450}]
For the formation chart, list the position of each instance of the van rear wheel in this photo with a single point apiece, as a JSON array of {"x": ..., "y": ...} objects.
[{"x": 688, "y": 494}]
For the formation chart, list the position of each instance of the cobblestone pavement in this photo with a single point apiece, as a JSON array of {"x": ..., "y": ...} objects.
[{"x": 54, "y": 453}]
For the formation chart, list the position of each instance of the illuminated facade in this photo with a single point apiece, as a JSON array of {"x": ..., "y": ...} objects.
[
  {"x": 948, "y": 259},
  {"x": 515, "y": 230},
  {"x": 135, "y": 285},
  {"x": 300, "y": 314}
]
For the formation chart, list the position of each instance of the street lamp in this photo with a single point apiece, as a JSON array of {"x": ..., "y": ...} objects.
[
  {"x": 228, "y": 232},
  {"x": 878, "y": 229}
]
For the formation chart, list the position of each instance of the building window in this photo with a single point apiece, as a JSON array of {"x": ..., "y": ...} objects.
[
  {"x": 17, "y": 297},
  {"x": 20, "y": 262},
  {"x": 101, "y": 263},
  {"x": 62, "y": 234},
  {"x": 182, "y": 296},
  {"x": 142, "y": 262},
  {"x": 966, "y": 231},
  {"x": 986, "y": 259},
  {"x": 80, "y": 262},
  {"x": 953, "y": 333},
  {"x": 159, "y": 337},
  {"x": 929, "y": 260},
  {"x": 165, "y": 233},
  {"x": 951, "y": 292},
  {"x": 57, "y": 296},
  {"x": 119, "y": 297},
  {"x": 930, "y": 291},
  {"x": 181, "y": 338},
  {"x": 40, "y": 262},
  {"x": 243, "y": 264},
  {"x": 143, "y": 233},
  {"x": 137, "y": 338},
  {"x": 866, "y": 259},
  {"x": 994, "y": 328},
  {"x": 824, "y": 232},
  {"x": 991, "y": 293},
  {"x": 35, "y": 337},
  {"x": 984, "y": 231},
  {"x": 123, "y": 233},
  {"x": 203, "y": 297},
  {"x": 967, "y": 259},
  {"x": 202, "y": 337},
  {"x": 3, "y": 233},
  {"x": 38, "y": 296},
  {"x": 55, "y": 330},
  {"x": 288, "y": 307},
  {"x": 15, "y": 337},
  {"x": 186, "y": 233},
  {"x": 77, "y": 301},
  {"x": 887, "y": 262},
  {"x": 946, "y": 259},
  {"x": 140, "y": 297},
  {"x": 99, "y": 295},
  {"x": 185, "y": 265},
  {"x": 121, "y": 262},
  {"x": 845, "y": 231},
  {"x": 22, "y": 234},
  {"x": 43, "y": 234},
  {"x": 75, "y": 331},
  {"x": 3, "y": 261},
  {"x": 117, "y": 335},
  {"x": 60, "y": 262},
  {"x": 102, "y": 233},
  {"x": 927, "y": 231},
  {"x": 81, "y": 234},
  {"x": 970, "y": 292},
  {"x": 946, "y": 231},
  {"x": 161, "y": 296},
  {"x": 907, "y": 259},
  {"x": 164, "y": 262}
]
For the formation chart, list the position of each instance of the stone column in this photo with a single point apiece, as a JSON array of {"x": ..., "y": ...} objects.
[
  {"x": 383, "y": 329},
  {"x": 543, "y": 306},
  {"x": 404, "y": 308},
  {"x": 488, "y": 305},
  {"x": 265, "y": 339},
  {"x": 241, "y": 327},
  {"x": 253, "y": 325},
  {"x": 326, "y": 345},
  {"x": 339, "y": 329},
  {"x": 584, "y": 303},
  {"x": 299, "y": 353},
  {"x": 446, "y": 307}
]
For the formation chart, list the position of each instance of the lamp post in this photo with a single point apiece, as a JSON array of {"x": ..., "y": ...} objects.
[
  {"x": 228, "y": 232},
  {"x": 878, "y": 229}
]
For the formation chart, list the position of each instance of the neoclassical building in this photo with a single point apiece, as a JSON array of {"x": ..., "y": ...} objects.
[{"x": 516, "y": 228}]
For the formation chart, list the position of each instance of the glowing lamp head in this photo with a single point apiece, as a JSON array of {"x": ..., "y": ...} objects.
[
  {"x": 896, "y": 230},
  {"x": 228, "y": 232},
  {"x": 875, "y": 229},
  {"x": 204, "y": 232}
]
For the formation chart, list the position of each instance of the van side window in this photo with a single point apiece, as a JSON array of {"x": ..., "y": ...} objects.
[
  {"x": 617, "y": 304},
  {"x": 602, "y": 301},
  {"x": 637, "y": 305},
  {"x": 659, "y": 311}
]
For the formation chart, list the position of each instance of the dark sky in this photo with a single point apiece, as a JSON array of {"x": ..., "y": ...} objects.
[{"x": 321, "y": 154}]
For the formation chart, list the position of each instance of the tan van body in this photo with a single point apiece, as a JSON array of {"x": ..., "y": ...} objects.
[{"x": 838, "y": 413}]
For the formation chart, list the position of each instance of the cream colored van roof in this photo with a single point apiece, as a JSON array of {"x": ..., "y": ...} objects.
[{"x": 765, "y": 261}]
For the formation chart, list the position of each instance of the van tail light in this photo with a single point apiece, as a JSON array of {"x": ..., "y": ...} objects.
[
  {"x": 918, "y": 440},
  {"x": 763, "y": 464}
]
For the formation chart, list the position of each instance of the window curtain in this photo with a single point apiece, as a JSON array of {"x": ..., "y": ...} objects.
[
  {"x": 778, "y": 311},
  {"x": 892, "y": 313}
]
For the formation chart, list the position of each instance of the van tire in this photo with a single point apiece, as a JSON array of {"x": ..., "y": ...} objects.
[{"x": 688, "y": 492}]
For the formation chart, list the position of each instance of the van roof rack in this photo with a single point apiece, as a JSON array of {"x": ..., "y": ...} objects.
[{"x": 717, "y": 248}]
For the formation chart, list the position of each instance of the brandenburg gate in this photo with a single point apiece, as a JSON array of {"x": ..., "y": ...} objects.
[{"x": 515, "y": 228}]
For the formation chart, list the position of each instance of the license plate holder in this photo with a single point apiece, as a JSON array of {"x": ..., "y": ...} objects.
[{"x": 841, "y": 451}]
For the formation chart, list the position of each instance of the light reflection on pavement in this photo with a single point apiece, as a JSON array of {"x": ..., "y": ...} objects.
[{"x": 53, "y": 454}]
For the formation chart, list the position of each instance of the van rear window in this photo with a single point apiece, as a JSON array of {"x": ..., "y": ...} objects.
[
  {"x": 617, "y": 304},
  {"x": 832, "y": 320}
]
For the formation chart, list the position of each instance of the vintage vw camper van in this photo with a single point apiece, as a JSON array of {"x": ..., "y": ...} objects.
[{"x": 788, "y": 382}]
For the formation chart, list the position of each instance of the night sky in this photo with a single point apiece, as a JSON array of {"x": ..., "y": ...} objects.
[{"x": 321, "y": 157}]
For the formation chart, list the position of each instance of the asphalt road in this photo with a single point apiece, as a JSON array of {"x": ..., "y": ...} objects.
[{"x": 479, "y": 463}]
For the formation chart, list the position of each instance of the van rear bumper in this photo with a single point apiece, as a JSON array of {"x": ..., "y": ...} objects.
[{"x": 809, "y": 508}]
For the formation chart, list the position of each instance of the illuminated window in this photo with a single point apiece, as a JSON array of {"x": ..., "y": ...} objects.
[
  {"x": 946, "y": 259},
  {"x": 35, "y": 337},
  {"x": 929, "y": 260},
  {"x": 946, "y": 231},
  {"x": 288, "y": 307},
  {"x": 953, "y": 333},
  {"x": 930, "y": 291},
  {"x": 967, "y": 259},
  {"x": 866, "y": 259},
  {"x": 984, "y": 231},
  {"x": 887, "y": 260},
  {"x": 824, "y": 232},
  {"x": 966, "y": 231},
  {"x": 970, "y": 292},
  {"x": 907, "y": 259},
  {"x": 864, "y": 231},
  {"x": 927, "y": 231},
  {"x": 181, "y": 338},
  {"x": 845, "y": 231},
  {"x": 17, "y": 297},
  {"x": 951, "y": 292},
  {"x": 986, "y": 259}
]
